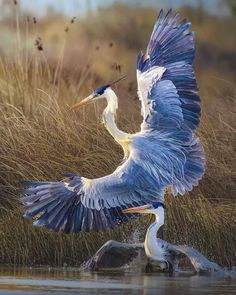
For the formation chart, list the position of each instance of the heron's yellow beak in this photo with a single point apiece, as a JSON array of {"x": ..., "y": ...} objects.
[
  {"x": 83, "y": 102},
  {"x": 140, "y": 209}
]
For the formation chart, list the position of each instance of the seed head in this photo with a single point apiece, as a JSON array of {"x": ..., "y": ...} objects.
[
  {"x": 39, "y": 44},
  {"x": 73, "y": 20},
  {"x": 116, "y": 67}
]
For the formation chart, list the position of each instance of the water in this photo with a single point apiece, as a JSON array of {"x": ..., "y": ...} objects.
[{"x": 26, "y": 281}]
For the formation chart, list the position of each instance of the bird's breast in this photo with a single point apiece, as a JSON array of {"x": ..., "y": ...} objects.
[{"x": 151, "y": 246}]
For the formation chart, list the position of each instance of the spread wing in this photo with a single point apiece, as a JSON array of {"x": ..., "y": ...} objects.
[
  {"x": 115, "y": 254},
  {"x": 78, "y": 203},
  {"x": 168, "y": 92},
  {"x": 167, "y": 86}
]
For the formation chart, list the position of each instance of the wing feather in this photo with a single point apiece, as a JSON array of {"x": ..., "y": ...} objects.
[{"x": 171, "y": 50}]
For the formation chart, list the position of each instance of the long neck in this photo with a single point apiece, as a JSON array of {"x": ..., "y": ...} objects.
[
  {"x": 154, "y": 227},
  {"x": 109, "y": 115},
  {"x": 151, "y": 246}
]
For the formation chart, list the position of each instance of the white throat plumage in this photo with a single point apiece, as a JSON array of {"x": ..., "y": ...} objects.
[{"x": 109, "y": 115}]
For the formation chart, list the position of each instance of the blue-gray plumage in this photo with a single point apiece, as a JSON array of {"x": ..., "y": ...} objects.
[{"x": 164, "y": 154}]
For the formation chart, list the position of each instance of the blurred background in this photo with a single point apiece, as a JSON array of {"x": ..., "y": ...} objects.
[
  {"x": 53, "y": 51},
  {"x": 101, "y": 30}
]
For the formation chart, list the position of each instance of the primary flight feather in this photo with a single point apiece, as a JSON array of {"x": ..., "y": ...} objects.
[{"x": 166, "y": 153}]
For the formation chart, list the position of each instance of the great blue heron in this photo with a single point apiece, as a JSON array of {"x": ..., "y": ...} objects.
[{"x": 166, "y": 153}]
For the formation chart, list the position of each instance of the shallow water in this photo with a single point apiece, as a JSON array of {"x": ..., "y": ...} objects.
[{"x": 44, "y": 281}]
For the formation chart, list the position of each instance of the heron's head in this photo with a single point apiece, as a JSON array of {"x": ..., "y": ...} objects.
[
  {"x": 99, "y": 93},
  {"x": 153, "y": 208}
]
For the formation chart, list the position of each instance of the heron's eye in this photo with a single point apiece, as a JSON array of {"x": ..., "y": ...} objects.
[{"x": 95, "y": 94}]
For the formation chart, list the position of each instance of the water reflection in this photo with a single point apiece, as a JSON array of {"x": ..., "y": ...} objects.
[{"x": 70, "y": 281}]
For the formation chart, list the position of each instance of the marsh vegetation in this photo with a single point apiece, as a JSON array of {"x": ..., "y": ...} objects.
[{"x": 47, "y": 64}]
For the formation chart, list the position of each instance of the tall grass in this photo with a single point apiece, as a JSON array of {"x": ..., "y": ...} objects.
[{"x": 40, "y": 139}]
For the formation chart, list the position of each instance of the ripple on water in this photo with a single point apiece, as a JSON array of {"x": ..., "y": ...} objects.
[{"x": 32, "y": 281}]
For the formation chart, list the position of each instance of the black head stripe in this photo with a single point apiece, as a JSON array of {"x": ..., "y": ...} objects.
[
  {"x": 100, "y": 90},
  {"x": 158, "y": 204}
]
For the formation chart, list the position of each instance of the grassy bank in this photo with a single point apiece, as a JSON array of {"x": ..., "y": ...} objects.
[{"x": 40, "y": 138}]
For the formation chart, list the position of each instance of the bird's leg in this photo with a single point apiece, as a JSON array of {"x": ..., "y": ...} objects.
[
  {"x": 149, "y": 267},
  {"x": 168, "y": 268}
]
